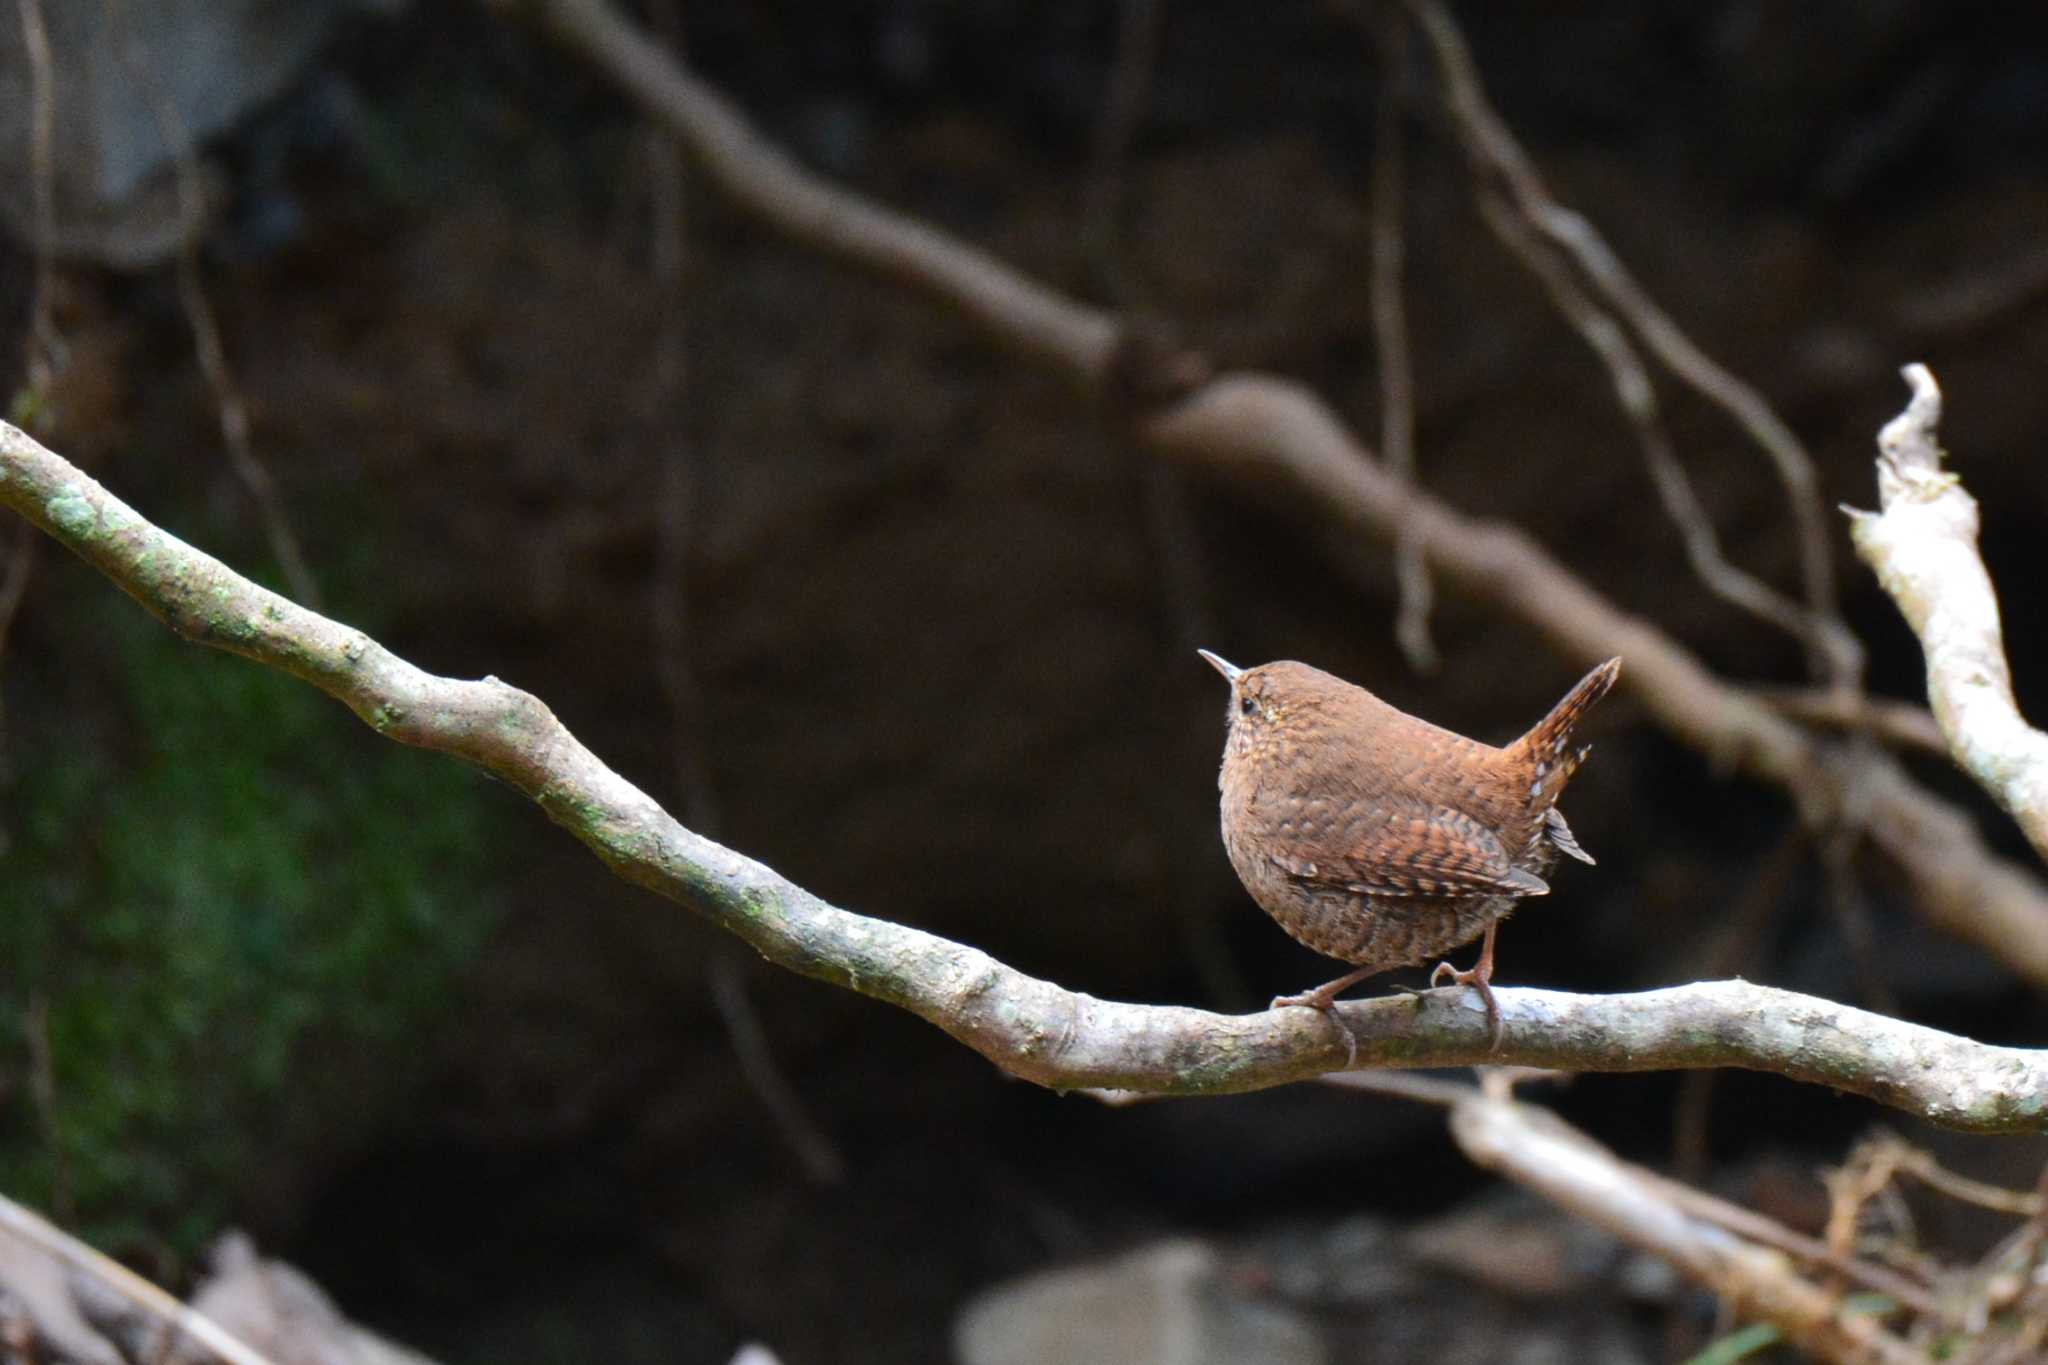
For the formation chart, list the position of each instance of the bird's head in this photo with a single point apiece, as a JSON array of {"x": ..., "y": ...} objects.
[{"x": 1259, "y": 701}]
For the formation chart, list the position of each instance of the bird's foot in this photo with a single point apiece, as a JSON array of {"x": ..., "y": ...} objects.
[
  {"x": 1479, "y": 979},
  {"x": 1325, "y": 1001}
]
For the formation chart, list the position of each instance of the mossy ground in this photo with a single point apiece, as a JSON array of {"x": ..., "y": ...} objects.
[{"x": 213, "y": 906}]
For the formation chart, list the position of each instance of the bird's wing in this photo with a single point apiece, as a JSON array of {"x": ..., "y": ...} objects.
[{"x": 1433, "y": 852}]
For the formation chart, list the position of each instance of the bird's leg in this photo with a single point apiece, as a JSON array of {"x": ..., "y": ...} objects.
[
  {"x": 1324, "y": 998},
  {"x": 1478, "y": 978}
]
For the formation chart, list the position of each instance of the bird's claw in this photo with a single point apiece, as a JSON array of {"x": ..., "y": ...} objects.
[
  {"x": 1478, "y": 980},
  {"x": 1328, "y": 1009}
]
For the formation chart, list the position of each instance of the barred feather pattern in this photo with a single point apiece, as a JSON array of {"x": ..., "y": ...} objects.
[{"x": 1377, "y": 838}]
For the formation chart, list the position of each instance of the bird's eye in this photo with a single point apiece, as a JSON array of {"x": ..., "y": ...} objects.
[{"x": 1246, "y": 705}]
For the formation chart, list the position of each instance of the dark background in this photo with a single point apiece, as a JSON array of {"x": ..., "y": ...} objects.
[{"x": 927, "y": 623}]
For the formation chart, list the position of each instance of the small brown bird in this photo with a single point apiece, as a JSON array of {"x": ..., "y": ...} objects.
[{"x": 1377, "y": 838}]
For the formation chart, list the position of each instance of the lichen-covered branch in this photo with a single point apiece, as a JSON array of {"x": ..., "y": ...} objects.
[
  {"x": 1032, "y": 1028},
  {"x": 1270, "y": 430},
  {"x": 1922, "y": 545}
]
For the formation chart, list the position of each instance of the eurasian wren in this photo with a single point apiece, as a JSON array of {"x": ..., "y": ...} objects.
[{"x": 1377, "y": 838}]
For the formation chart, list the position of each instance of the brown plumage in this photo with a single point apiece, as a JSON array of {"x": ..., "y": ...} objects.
[{"x": 1379, "y": 839}]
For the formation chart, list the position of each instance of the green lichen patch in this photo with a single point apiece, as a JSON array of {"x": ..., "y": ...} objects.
[{"x": 72, "y": 515}]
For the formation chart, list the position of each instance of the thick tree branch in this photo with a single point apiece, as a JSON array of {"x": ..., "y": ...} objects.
[
  {"x": 1032, "y": 1028},
  {"x": 1922, "y": 545},
  {"x": 1262, "y": 427}
]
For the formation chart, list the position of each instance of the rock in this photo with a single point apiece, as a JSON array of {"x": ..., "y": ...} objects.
[
  {"x": 1167, "y": 1304},
  {"x": 113, "y": 174}
]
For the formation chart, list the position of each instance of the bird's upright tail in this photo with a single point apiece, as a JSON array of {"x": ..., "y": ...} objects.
[{"x": 1547, "y": 748}]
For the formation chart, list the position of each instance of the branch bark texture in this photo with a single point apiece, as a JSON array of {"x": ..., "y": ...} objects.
[
  {"x": 1260, "y": 427},
  {"x": 1032, "y": 1028},
  {"x": 1922, "y": 545}
]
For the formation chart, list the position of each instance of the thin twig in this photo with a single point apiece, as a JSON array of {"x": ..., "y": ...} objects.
[
  {"x": 1983, "y": 298},
  {"x": 42, "y": 1073},
  {"x": 1851, "y": 1186},
  {"x": 1390, "y": 334},
  {"x": 1637, "y": 397},
  {"x": 233, "y": 411},
  {"x": 1493, "y": 150},
  {"x": 1163, "y": 502},
  {"x": 45, "y": 347},
  {"x": 1636, "y": 394},
  {"x": 814, "y": 1150},
  {"x": 1771, "y": 1233},
  {"x": 1900, "y": 724},
  {"x": 1851, "y": 911},
  {"x": 1183, "y": 585},
  {"x": 668, "y": 260},
  {"x": 1682, "y": 1197},
  {"x": 1734, "y": 943},
  {"x": 675, "y": 664},
  {"x": 1032, "y": 1028},
  {"x": 1130, "y": 83},
  {"x": 14, "y": 582},
  {"x": 1167, "y": 519},
  {"x": 1402, "y": 1086},
  {"x": 1923, "y": 1167}
]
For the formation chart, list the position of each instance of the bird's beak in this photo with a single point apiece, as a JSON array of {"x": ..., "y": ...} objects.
[{"x": 1230, "y": 671}]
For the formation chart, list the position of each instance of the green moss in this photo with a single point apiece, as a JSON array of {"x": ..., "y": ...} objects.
[
  {"x": 235, "y": 909},
  {"x": 758, "y": 905}
]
